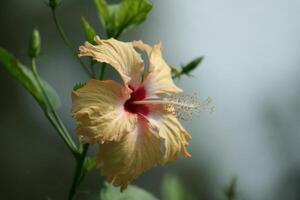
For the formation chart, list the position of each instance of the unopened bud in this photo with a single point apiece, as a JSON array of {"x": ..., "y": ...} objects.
[
  {"x": 54, "y": 3},
  {"x": 34, "y": 44}
]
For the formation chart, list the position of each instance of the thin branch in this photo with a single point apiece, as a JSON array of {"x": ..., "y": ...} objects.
[
  {"x": 78, "y": 171},
  {"x": 69, "y": 44},
  {"x": 52, "y": 115}
]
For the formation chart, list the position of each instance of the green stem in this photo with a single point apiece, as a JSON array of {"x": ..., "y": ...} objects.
[
  {"x": 102, "y": 73},
  {"x": 52, "y": 115},
  {"x": 69, "y": 142},
  {"x": 69, "y": 44},
  {"x": 78, "y": 171},
  {"x": 93, "y": 70}
]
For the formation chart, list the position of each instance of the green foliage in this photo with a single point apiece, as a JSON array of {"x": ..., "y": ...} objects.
[
  {"x": 89, "y": 164},
  {"x": 78, "y": 86},
  {"x": 104, "y": 12},
  {"x": 90, "y": 34},
  {"x": 173, "y": 189},
  {"x": 24, "y": 76},
  {"x": 175, "y": 72},
  {"x": 121, "y": 17},
  {"x": 89, "y": 31},
  {"x": 131, "y": 193},
  {"x": 188, "y": 68},
  {"x": 230, "y": 190},
  {"x": 34, "y": 46},
  {"x": 51, "y": 95}
]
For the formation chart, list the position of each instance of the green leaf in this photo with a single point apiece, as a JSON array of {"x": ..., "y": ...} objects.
[
  {"x": 131, "y": 193},
  {"x": 89, "y": 31},
  {"x": 89, "y": 35},
  {"x": 103, "y": 11},
  {"x": 24, "y": 76},
  {"x": 89, "y": 164},
  {"x": 186, "y": 69},
  {"x": 173, "y": 188},
  {"x": 78, "y": 86},
  {"x": 119, "y": 18},
  {"x": 52, "y": 95},
  {"x": 175, "y": 72}
]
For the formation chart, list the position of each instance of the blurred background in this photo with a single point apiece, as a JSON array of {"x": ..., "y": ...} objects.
[{"x": 251, "y": 70}]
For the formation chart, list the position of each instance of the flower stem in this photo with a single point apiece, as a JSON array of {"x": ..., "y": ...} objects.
[
  {"x": 102, "y": 72},
  {"x": 52, "y": 115},
  {"x": 69, "y": 44},
  {"x": 78, "y": 171}
]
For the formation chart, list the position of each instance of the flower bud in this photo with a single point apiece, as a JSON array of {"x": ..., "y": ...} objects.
[
  {"x": 34, "y": 44},
  {"x": 53, "y": 4}
]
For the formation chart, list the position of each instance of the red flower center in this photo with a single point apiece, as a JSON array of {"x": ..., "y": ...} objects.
[{"x": 136, "y": 95}]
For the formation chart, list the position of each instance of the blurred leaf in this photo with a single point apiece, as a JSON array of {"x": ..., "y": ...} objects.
[
  {"x": 89, "y": 31},
  {"x": 78, "y": 86},
  {"x": 230, "y": 190},
  {"x": 119, "y": 18},
  {"x": 24, "y": 76},
  {"x": 173, "y": 189},
  {"x": 89, "y": 164},
  {"x": 104, "y": 13},
  {"x": 186, "y": 69},
  {"x": 131, "y": 193},
  {"x": 132, "y": 13},
  {"x": 90, "y": 36},
  {"x": 52, "y": 95},
  {"x": 175, "y": 72}
]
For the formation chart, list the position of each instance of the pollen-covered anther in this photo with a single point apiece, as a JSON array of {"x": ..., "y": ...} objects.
[{"x": 185, "y": 105}]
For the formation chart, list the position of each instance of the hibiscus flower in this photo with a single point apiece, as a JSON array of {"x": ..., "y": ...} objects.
[{"x": 135, "y": 123}]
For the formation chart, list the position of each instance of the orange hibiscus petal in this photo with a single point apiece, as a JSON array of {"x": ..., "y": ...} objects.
[
  {"x": 123, "y": 161},
  {"x": 120, "y": 55},
  {"x": 98, "y": 110},
  {"x": 159, "y": 79},
  {"x": 175, "y": 137}
]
